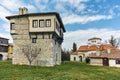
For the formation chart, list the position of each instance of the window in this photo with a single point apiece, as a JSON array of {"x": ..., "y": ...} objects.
[
  {"x": 48, "y": 23},
  {"x": 35, "y": 23},
  {"x": 34, "y": 40},
  {"x": 117, "y": 61},
  {"x": 74, "y": 58},
  {"x": 41, "y": 23},
  {"x": 12, "y": 27}
]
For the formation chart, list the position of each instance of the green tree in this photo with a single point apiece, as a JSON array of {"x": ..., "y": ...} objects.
[
  {"x": 65, "y": 56},
  {"x": 74, "y": 47},
  {"x": 114, "y": 41}
]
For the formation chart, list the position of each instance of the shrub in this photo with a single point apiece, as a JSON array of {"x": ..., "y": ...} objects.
[{"x": 87, "y": 60}]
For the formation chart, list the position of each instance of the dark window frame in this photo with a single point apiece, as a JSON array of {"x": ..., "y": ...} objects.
[
  {"x": 117, "y": 61},
  {"x": 41, "y": 26},
  {"x": 48, "y": 22},
  {"x": 74, "y": 58},
  {"x": 34, "y": 24},
  {"x": 34, "y": 40},
  {"x": 12, "y": 26}
]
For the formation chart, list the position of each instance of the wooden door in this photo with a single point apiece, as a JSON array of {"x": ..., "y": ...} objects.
[{"x": 105, "y": 62}]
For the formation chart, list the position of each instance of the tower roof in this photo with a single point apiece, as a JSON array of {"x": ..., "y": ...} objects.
[{"x": 94, "y": 38}]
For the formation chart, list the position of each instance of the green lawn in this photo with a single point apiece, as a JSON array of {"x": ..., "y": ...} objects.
[{"x": 66, "y": 71}]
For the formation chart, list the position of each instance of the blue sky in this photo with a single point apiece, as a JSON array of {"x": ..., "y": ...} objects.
[{"x": 82, "y": 19}]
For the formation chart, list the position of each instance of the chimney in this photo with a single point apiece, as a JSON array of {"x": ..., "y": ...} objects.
[
  {"x": 23, "y": 11},
  {"x": 20, "y": 11}
]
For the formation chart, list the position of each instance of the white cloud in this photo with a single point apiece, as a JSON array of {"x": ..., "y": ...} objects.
[
  {"x": 115, "y": 10},
  {"x": 8, "y": 36},
  {"x": 41, "y": 4},
  {"x": 13, "y": 5},
  {"x": 78, "y": 4},
  {"x": 74, "y": 2},
  {"x": 3, "y": 13},
  {"x": 84, "y": 19},
  {"x": 81, "y": 36}
]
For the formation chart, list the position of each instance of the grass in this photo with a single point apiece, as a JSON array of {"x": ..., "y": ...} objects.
[{"x": 66, "y": 71}]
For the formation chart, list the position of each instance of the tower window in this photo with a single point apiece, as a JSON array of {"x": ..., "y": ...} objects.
[
  {"x": 12, "y": 27},
  {"x": 35, "y": 23},
  {"x": 34, "y": 40},
  {"x": 41, "y": 23},
  {"x": 48, "y": 23}
]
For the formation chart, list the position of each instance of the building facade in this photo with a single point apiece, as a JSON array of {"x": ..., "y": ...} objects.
[
  {"x": 44, "y": 30},
  {"x": 106, "y": 58},
  {"x": 94, "y": 46},
  {"x": 3, "y": 48}
]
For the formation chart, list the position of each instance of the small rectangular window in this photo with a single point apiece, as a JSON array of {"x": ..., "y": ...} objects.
[
  {"x": 117, "y": 61},
  {"x": 74, "y": 58},
  {"x": 48, "y": 23},
  {"x": 41, "y": 23},
  {"x": 12, "y": 27},
  {"x": 35, "y": 23},
  {"x": 34, "y": 40}
]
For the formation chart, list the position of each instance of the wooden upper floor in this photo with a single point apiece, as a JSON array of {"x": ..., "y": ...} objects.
[{"x": 37, "y": 22}]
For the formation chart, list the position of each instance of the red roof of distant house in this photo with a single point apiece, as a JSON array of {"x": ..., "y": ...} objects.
[
  {"x": 104, "y": 54},
  {"x": 85, "y": 48},
  {"x": 75, "y": 53},
  {"x": 94, "y": 38}
]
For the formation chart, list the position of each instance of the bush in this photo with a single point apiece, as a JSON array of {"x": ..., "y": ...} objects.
[
  {"x": 65, "y": 56},
  {"x": 87, "y": 60}
]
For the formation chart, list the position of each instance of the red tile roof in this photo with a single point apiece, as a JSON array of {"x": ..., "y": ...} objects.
[
  {"x": 85, "y": 48},
  {"x": 74, "y": 53},
  {"x": 103, "y": 54}
]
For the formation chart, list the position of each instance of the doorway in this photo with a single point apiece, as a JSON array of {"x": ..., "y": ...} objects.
[
  {"x": 105, "y": 62},
  {"x": 1, "y": 57},
  {"x": 80, "y": 58}
]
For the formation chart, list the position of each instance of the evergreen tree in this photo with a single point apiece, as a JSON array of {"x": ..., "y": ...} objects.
[{"x": 74, "y": 47}]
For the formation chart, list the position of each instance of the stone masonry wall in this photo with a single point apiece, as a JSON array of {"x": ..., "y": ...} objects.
[{"x": 50, "y": 52}]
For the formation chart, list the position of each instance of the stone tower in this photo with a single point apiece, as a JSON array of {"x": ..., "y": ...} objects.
[{"x": 42, "y": 29}]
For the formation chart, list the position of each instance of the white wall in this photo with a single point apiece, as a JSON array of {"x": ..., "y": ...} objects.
[
  {"x": 94, "y": 42},
  {"x": 94, "y": 61},
  {"x": 72, "y": 57},
  {"x": 112, "y": 63},
  {"x": 83, "y": 54}
]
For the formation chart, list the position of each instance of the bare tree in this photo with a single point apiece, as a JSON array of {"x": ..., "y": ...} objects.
[
  {"x": 31, "y": 52},
  {"x": 114, "y": 41}
]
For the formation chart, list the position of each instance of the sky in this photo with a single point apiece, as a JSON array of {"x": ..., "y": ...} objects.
[{"x": 82, "y": 19}]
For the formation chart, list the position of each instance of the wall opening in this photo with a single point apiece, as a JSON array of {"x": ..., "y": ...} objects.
[
  {"x": 80, "y": 58},
  {"x": 1, "y": 57},
  {"x": 74, "y": 58}
]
